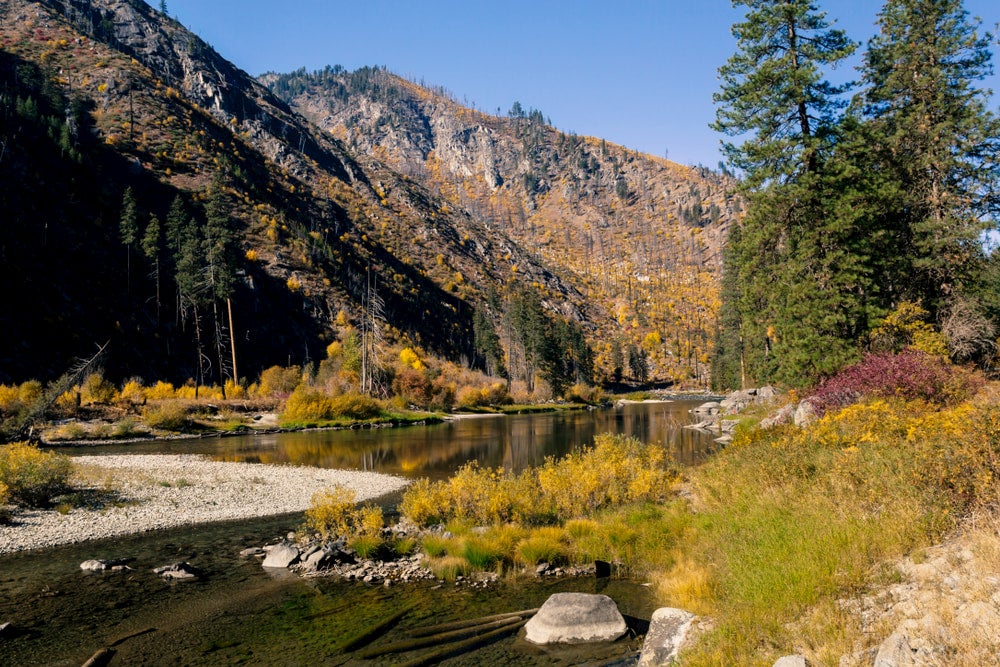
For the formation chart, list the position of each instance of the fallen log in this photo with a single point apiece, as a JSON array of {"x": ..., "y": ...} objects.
[
  {"x": 455, "y": 625},
  {"x": 434, "y": 657},
  {"x": 439, "y": 638},
  {"x": 365, "y": 637}
]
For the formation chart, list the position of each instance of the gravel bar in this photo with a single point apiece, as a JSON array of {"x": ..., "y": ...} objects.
[{"x": 156, "y": 491}]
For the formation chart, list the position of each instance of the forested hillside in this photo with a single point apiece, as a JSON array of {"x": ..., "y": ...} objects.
[
  {"x": 174, "y": 207},
  {"x": 159, "y": 187},
  {"x": 639, "y": 236},
  {"x": 868, "y": 204}
]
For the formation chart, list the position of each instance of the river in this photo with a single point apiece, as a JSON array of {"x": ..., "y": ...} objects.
[{"x": 239, "y": 614}]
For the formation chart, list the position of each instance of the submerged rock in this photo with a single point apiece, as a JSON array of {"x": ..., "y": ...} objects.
[
  {"x": 668, "y": 630},
  {"x": 178, "y": 571},
  {"x": 102, "y": 565},
  {"x": 576, "y": 618}
]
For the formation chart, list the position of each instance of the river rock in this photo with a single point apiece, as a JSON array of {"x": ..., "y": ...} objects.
[
  {"x": 178, "y": 571},
  {"x": 6, "y": 630},
  {"x": 791, "y": 661},
  {"x": 321, "y": 559},
  {"x": 710, "y": 408},
  {"x": 281, "y": 555},
  {"x": 575, "y": 618},
  {"x": 252, "y": 551},
  {"x": 93, "y": 566},
  {"x": 668, "y": 630}
]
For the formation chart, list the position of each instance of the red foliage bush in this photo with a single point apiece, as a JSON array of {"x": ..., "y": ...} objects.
[{"x": 909, "y": 375}]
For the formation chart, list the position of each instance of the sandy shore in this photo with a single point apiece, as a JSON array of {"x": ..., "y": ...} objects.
[{"x": 154, "y": 491}]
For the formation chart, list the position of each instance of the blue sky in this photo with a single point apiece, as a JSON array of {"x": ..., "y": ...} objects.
[{"x": 636, "y": 72}]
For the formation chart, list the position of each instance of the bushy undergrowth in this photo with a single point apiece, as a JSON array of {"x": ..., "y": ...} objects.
[
  {"x": 790, "y": 520},
  {"x": 334, "y": 513},
  {"x": 617, "y": 469},
  {"x": 909, "y": 375},
  {"x": 309, "y": 405},
  {"x": 30, "y": 476}
]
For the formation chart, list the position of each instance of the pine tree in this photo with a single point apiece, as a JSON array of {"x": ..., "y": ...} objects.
[
  {"x": 773, "y": 89},
  {"x": 129, "y": 228},
  {"x": 791, "y": 315},
  {"x": 219, "y": 244},
  {"x": 151, "y": 250},
  {"x": 931, "y": 134}
]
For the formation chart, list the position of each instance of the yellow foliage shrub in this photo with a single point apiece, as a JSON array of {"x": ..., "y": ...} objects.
[
  {"x": 160, "y": 391},
  {"x": 332, "y": 511},
  {"x": 278, "y": 381},
  {"x": 96, "y": 389},
  {"x": 133, "y": 392},
  {"x": 234, "y": 390},
  {"x": 33, "y": 477},
  {"x": 169, "y": 416},
  {"x": 409, "y": 357},
  {"x": 29, "y": 392},
  {"x": 10, "y": 400},
  {"x": 307, "y": 405}
]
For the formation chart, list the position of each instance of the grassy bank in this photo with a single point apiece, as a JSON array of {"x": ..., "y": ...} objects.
[{"x": 771, "y": 540}]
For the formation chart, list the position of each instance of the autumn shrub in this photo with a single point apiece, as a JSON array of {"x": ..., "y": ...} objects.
[
  {"x": 33, "y": 477},
  {"x": 168, "y": 416},
  {"x": 279, "y": 381},
  {"x": 234, "y": 389},
  {"x": 908, "y": 375},
  {"x": 160, "y": 391},
  {"x": 332, "y": 511},
  {"x": 355, "y": 406},
  {"x": 9, "y": 399},
  {"x": 29, "y": 392},
  {"x": 425, "y": 503},
  {"x": 308, "y": 405},
  {"x": 617, "y": 469},
  {"x": 133, "y": 392},
  {"x": 95, "y": 389}
]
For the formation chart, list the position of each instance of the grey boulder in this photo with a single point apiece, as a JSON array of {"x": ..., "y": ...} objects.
[
  {"x": 668, "y": 629},
  {"x": 576, "y": 618},
  {"x": 791, "y": 661},
  {"x": 281, "y": 555}
]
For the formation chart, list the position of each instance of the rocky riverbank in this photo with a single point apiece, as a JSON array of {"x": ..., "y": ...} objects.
[{"x": 124, "y": 494}]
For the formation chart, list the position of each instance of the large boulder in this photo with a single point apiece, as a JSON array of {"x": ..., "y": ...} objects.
[
  {"x": 668, "y": 629},
  {"x": 576, "y": 618},
  {"x": 281, "y": 555}
]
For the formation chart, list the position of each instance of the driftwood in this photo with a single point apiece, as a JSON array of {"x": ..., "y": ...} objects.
[
  {"x": 434, "y": 657},
  {"x": 439, "y": 638},
  {"x": 367, "y": 636},
  {"x": 101, "y": 658},
  {"x": 456, "y": 625}
]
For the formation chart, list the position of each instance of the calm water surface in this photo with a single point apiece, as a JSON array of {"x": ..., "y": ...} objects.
[
  {"x": 514, "y": 442},
  {"x": 239, "y": 614}
]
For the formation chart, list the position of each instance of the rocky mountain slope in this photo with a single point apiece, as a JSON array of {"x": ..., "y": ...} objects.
[
  {"x": 435, "y": 209},
  {"x": 148, "y": 105},
  {"x": 639, "y": 235}
]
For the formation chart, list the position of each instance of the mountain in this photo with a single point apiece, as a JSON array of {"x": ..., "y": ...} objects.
[
  {"x": 108, "y": 101},
  {"x": 640, "y": 236}
]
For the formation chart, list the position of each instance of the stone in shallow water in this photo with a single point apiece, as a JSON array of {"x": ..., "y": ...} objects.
[
  {"x": 668, "y": 628},
  {"x": 576, "y": 618},
  {"x": 281, "y": 555},
  {"x": 178, "y": 571}
]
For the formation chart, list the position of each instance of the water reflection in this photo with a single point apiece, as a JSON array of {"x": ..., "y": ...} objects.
[{"x": 514, "y": 442}]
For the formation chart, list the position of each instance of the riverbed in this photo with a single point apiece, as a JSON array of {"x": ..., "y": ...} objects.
[{"x": 238, "y": 613}]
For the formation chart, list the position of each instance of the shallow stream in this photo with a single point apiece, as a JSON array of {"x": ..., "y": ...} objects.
[{"x": 239, "y": 614}]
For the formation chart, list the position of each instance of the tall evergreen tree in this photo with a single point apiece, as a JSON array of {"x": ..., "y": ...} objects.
[
  {"x": 128, "y": 227},
  {"x": 791, "y": 315},
  {"x": 931, "y": 134}
]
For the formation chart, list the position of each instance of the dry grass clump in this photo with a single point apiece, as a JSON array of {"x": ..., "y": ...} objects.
[{"x": 334, "y": 513}]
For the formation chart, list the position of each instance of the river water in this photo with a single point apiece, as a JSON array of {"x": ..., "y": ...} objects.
[{"x": 239, "y": 614}]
